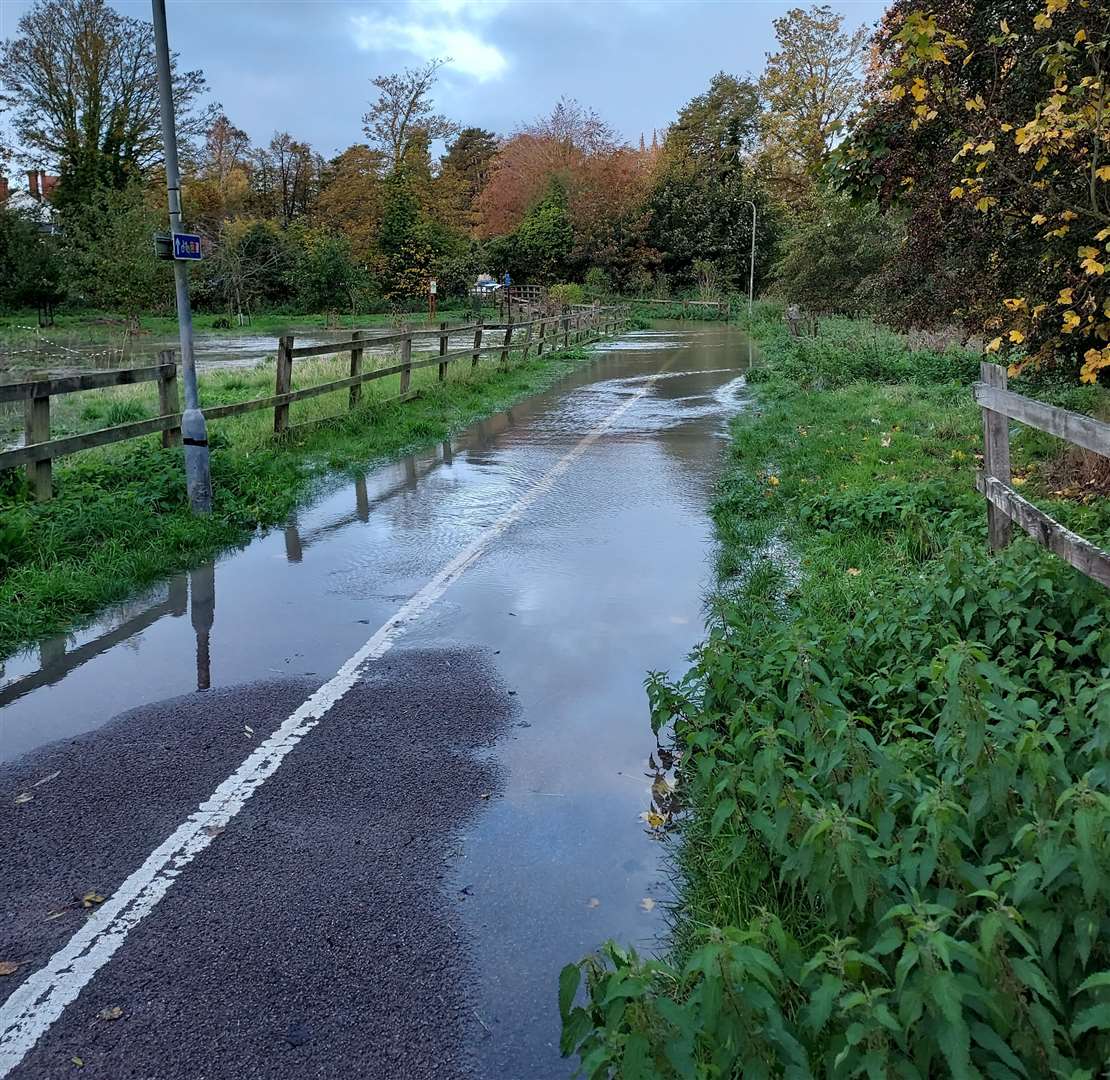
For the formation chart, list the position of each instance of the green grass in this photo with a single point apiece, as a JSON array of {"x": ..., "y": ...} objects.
[
  {"x": 119, "y": 519},
  {"x": 894, "y": 853},
  {"x": 100, "y": 325}
]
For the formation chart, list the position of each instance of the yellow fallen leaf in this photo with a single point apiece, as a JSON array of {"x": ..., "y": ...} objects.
[
  {"x": 854, "y": 571},
  {"x": 112, "y": 1012},
  {"x": 654, "y": 819},
  {"x": 79, "y": 1062},
  {"x": 8, "y": 967},
  {"x": 773, "y": 481},
  {"x": 647, "y": 904},
  {"x": 90, "y": 899}
]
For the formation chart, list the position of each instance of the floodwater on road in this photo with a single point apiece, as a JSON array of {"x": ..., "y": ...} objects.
[{"x": 599, "y": 580}]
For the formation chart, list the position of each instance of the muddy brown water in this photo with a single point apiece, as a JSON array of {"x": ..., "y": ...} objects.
[{"x": 601, "y": 580}]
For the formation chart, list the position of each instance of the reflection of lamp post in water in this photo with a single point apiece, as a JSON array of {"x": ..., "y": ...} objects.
[{"x": 202, "y": 595}]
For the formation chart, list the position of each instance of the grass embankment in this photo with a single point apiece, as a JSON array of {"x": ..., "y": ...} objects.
[
  {"x": 895, "y": 852},
  {"x": 119, "y": 519}
]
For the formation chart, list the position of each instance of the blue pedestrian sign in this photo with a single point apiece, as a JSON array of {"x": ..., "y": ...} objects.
[{"x": 186, "y": 246}]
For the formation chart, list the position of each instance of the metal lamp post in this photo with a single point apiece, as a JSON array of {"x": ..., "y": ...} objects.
[
  {"x": 194, "y": 431},
  {"x": 751, "y": 274}
]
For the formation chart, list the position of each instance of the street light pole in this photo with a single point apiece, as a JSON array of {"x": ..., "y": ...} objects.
[
  {"x": 751, "y": 273},
  {"x": 194, "y": 431}
]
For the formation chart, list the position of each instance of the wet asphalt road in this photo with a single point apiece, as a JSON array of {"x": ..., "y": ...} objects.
[{"x": 397, "y": 898}]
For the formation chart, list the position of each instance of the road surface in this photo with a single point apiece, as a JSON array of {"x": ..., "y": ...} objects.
[{"x": 343, "y": 803}]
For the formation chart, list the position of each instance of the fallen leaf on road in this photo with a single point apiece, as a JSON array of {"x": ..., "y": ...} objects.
[
  {"x": 113, "y": 1012},
  {"x": 78, "y": 1062},
  {"x": 214, "y": 830},
  {"x": 647, "y": 903},
  {"x": 485, "y": 796},
  {"x": 8, "y": 967},
  {"x": 23, "y": 797},
  {"x": 90, "y": 899},
  {"x": 654, "y": 819},
  {"x": 46, "y": 779},
  {"x": 593, "y": 902}
]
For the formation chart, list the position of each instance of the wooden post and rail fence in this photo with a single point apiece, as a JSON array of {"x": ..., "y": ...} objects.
[
  {"x": 39, "y": 450},
  {"x": 1005, "y": 507}
]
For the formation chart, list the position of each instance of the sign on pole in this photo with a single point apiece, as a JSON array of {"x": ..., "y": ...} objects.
[{"x": 186, "y": 246}]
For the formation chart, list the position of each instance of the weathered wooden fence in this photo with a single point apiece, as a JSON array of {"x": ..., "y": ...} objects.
[
  {"x": 1005, "y": 506},
  {"x": 39, "y": 450},
  {"x": 721, "y": 307}
]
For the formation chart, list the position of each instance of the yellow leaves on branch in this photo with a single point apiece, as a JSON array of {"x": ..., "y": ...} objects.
[
  {"x": 1094, "y": 360},
  {"x": 1089, "y": 260}
]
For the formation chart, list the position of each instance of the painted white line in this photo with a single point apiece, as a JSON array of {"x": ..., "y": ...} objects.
[{"x": 37, "y": 1003}]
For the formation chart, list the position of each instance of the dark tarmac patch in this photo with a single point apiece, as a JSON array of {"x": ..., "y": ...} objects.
[{"x": 313, "y": 938}]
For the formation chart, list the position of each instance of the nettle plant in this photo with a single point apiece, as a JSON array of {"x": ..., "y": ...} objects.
[{"x": 927, "y": 791}]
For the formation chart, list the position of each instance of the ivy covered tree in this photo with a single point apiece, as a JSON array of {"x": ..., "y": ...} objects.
[{"x": 990, "y": 123}]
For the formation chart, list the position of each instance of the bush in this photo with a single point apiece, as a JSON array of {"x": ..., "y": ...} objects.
[
  {"x": 597, "y": 282},
  {"x": 927, "y": 789},
  {"x": 566, "y": 294}
]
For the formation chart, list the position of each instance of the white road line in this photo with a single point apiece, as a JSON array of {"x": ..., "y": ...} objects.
[{"x": 34, "y": 1006}]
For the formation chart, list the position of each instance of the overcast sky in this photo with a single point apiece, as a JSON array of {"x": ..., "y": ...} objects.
[{"x": 304, "y": 65}]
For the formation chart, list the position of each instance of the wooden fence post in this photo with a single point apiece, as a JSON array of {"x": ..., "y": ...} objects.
[
  {"x": 539, "y": 344},
  {"x": 36, "y": 429},
  {"x": 477, "y": 345},
  {"x": 356, "y": 369},
  {"x": 507, "y": 345},
  {"x": 406, "y": 359},
  {"x": 169, "y": 400},
  {"x": 566, "y": 331},
  {"x": 996, "y": 456},
  {"x": 527, "y": 342},
  {"x": 442, "y": 350},
  {"x": 284, "y": 382}
]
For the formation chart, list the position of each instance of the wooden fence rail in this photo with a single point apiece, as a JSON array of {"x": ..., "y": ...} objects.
[
  {"x": 1005, "y": 506},
  {"x": 722, "y": 307},
  {"x": 39, "y": 449}
]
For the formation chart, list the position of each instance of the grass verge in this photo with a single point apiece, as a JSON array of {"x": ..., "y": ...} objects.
[
  {"x": 120, "y": 520},
  {"x": 894, "y": 853}
]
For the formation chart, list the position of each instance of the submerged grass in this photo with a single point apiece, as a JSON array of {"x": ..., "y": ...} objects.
[
  {"x": 895, "y": 852},
  {"x": 120, "y": 520}
]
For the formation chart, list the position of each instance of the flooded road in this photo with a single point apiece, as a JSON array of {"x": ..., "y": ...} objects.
[{"x": 596, "y": 579}]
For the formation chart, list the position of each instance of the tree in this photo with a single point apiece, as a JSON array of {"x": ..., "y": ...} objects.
[
  {"x": 107, "y": 252},
  {"x": 991, "y": 126},
  {"x": 811, "y": 87},
  {"x": 324, "y": 275},
  {"x": 351, "y": 197},
  {"x": 81, "y": 81},
  {"x": 703, "y": 184},
  {"x": 30, "y": 266},
  {"x": 542, "y": 244},
  {"x": 250, "y": 265},
  {"x": 714, "y": 127},
  {"x": 404, "y": 108},
  {"x": 835, "y": 261},
  {"x": 469, "y": 162}
]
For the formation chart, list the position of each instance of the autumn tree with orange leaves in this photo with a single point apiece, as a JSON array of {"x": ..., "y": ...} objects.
[{"x": 990, "y": 123}]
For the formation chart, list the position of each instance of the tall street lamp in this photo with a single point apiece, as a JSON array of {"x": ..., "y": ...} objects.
[
  {"x": 194, "y": 431},
  {"x": 751, "y": 273}
]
